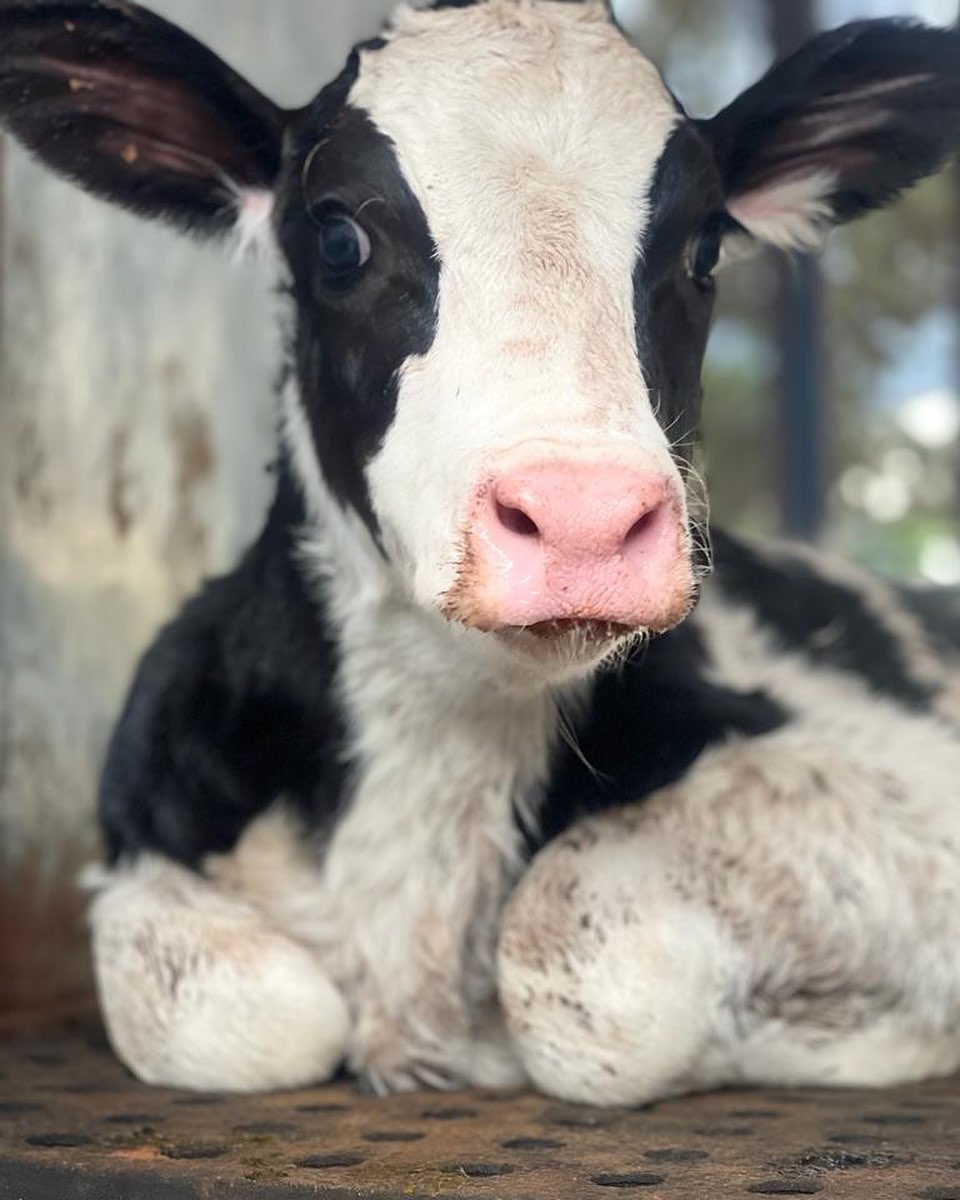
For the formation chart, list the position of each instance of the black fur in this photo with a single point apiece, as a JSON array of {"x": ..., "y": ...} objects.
[
  {"x": 938, "y": 610},
  {"x": 231, "y": 708},
  {"x": 647, "y": 724},
  {"x": 813, "y": 112},
  {"x": 351, "y": 341},
  {"x": 672, "y": 309},
  {"x": 135, "y": 110},
  {"x": 823, "y": 620}
]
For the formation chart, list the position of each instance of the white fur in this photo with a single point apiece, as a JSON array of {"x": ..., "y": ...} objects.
[
  {"x": 613, "y": 994},
  {"x": 530, "y": 134}
]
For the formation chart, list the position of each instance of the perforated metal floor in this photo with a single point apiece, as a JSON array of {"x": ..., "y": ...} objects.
[{"x": 74, "y": 1126}]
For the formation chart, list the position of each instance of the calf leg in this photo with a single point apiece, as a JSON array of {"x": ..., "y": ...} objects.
[
  {"x": 784, "y": 916},
  {"x": 613, "y": 985},
  {"x": 199, "y": 991}
]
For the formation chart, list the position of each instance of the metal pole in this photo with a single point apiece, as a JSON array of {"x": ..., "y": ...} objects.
[
  {"x": 804, "y": 439},
  {"x": 956, "y": 305}
]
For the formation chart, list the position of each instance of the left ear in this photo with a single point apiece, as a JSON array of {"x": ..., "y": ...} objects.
[
  {"x": 840, "y": 128},
  {"x": 136, "y": 111}
]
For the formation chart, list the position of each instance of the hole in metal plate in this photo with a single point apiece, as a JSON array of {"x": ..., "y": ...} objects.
[
  {"x": 327, "y": 1162},
  {"x": 635, "y": 1180}
]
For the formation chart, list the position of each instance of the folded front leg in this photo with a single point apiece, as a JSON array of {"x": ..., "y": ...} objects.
[{"x": 199, "y": 990}]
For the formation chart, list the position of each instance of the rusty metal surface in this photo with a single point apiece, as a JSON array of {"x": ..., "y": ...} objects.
[{"x": 74, "y": 1126}]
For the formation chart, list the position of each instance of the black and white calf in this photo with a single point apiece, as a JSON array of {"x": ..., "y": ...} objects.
[{"x": 416, "y": 787}]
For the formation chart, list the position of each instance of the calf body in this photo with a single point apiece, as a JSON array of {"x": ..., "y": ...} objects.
[
  {"x": 764, "y": 890},
  {"x": 440, "y": 781}
]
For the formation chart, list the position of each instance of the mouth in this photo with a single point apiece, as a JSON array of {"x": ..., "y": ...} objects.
[{"x": 570, "y": 640}]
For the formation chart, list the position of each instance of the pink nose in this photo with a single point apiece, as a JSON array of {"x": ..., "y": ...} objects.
[{"x": 562, "y": 540}]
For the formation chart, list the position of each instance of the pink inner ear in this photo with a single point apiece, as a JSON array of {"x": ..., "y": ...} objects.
[
  {"x": 793, "y": 213},
  {"x": 254, "y": 214}
]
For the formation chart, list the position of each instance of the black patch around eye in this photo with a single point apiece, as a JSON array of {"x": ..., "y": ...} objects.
[
  {"x": 365, "y": 290},
  {"x": 671, "y": 313}
]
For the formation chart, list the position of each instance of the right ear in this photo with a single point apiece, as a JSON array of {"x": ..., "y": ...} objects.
[
  {"x": 138, "y": 112},
  {"x": 842, "y": 127}
]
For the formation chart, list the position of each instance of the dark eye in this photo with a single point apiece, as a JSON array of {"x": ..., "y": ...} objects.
[
  {"x": 344, "y": 245},
  {"x": 703, "y": 253}
]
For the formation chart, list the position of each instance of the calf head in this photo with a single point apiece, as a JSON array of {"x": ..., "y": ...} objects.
[{"x": 500, "y": 231}]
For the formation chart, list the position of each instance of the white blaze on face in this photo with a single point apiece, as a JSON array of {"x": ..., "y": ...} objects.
[{"x": 530, "y": 132}]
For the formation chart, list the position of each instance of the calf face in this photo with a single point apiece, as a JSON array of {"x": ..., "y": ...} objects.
[
  {"x": 512, "y": 466},
  {"x": 500, "y": 232}
]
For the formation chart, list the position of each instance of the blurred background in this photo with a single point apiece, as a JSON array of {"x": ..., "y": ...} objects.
[{"x": 137, "y": 424}]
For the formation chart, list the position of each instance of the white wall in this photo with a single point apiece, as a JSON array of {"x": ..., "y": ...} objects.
[{"x": 136, "y": 423}]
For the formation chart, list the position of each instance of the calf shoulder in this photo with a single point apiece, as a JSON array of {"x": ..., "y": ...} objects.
[
  {"x": 776, "y": 622},
  {"x": 232, "y": 709}
]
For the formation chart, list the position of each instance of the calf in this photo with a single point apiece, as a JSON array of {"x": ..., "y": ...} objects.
[{"x": 439, "y": 781}]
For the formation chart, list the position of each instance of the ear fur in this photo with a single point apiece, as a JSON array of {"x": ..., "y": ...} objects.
[
  {"x": 136, "y": 111},
  {"x": 840, "y": 128}
]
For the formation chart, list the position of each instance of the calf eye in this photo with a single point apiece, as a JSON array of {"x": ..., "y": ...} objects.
[
  {"x": 344, "y": 245},
  {"x": 703, "y": 253}
]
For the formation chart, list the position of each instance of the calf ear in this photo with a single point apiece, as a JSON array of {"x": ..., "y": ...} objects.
[
  {"x": 138, "y": 112},
  {"x": 840, "y": 128}
]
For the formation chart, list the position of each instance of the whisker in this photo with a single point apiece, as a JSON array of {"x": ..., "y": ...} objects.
[{"x": 569, "y": 736}]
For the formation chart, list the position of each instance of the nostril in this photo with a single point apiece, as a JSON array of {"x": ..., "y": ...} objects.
[
  {"x": 516, "y": 521},
  {"x": 641, "y": 529}
]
